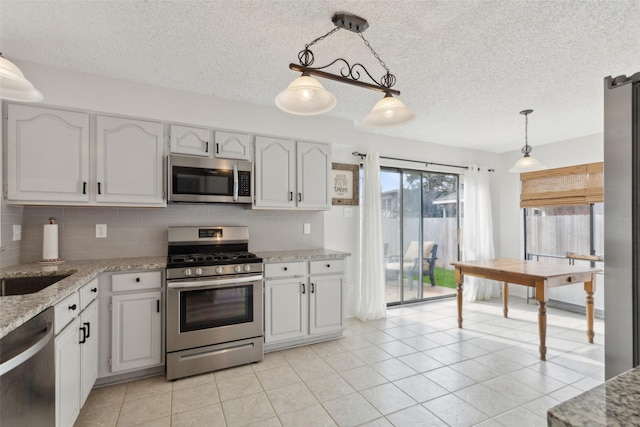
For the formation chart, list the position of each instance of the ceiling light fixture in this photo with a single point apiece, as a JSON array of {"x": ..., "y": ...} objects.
[
  {"x": 526, "y": 163},
  {"x": 14, "y": 86},
  {"x": 306, "y": 96}
]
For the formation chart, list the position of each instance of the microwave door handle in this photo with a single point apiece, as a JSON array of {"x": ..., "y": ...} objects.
[{"x": 235, "y": 183}]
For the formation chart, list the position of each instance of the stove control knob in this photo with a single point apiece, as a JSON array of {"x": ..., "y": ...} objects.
[
  {"x": 198, "y": 271},
  {"x": 188, "y": 272},
  {"x": 237, "y": 269},
  {"x": 219, "y": 270},
  {"x": 247, "y": 267}
]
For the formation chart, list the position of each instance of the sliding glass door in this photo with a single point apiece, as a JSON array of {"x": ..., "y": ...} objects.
[{"x": 420, "y": 227}]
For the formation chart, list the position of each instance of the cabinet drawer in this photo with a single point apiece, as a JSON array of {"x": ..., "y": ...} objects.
[
  {"x": 285, "y": 269},
  {"x": 326, "y": 266},
  {"x": 88, "y": 293},
  {"x": 65, "y": 311},
  {"x": 136, "y": 281}
]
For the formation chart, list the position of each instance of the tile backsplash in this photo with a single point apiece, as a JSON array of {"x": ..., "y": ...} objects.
[{"x": 133, "y": 232}]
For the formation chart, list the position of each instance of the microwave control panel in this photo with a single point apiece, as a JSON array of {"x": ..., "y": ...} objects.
[{"x": 244, "y": 183}]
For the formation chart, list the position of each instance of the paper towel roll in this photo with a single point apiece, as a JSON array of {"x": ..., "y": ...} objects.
[{"x": 50, "y": 242}]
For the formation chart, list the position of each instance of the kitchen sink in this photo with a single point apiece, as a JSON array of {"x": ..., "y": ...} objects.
[{"x": 27, "y": 285}]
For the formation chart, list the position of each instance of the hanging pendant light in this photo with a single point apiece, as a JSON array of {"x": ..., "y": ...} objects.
[
  {"x": 305, "y": 96},
  {"x": 526, "y": 163},
  {"x": 14, "y": 86},
  {"x": 388, "y": 112}
]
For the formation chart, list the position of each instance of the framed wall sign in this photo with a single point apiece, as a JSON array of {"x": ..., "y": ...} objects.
[{"x": 345, "y": 184}]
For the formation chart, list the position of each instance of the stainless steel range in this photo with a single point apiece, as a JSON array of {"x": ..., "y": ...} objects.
[{"x": 214, "y": 300}]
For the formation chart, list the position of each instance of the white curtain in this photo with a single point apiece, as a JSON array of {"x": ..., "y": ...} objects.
[
  {"x": 477, "y": 232},
  {"x": 371, "y": 295}
]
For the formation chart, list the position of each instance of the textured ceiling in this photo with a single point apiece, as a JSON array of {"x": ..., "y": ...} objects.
[{"x": 465, "y": 67}]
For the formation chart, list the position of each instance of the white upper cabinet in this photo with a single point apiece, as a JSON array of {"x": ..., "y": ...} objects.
[
  {"x": 47, "y": 155},
  {"x": 291, "y": 174},
  {"x": 60, "y": 157},
  {"x": 232, "y": 145},
  {"x": 275, "y": 172},
  {"x": 189, "y": 140},
  {"x": 129, "y": 166},
  {"x": 314, "y": 171}
]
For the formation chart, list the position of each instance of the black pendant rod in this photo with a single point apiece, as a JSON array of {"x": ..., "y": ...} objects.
[{"x": 427, "y": 164}]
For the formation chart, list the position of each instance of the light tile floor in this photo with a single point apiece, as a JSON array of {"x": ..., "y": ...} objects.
[{"x": 413, "y": 368}]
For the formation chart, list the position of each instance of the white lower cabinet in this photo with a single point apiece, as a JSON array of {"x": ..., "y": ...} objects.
[
  {"x": 135, "y": 330},
  {"x": 76, "y": 352},
  {"x": 68, "y": 391},
  {"x": 285, "y": 309},
  {"x": 325, "y": 304},
  {"x": 301, "y": 308},
  {"x": 131, "y": 334},
  {"x": 89, "y": 349}
]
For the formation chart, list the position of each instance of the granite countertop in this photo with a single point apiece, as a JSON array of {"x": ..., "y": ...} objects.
[
  {"x": 18, "y": 309},
  {"x": 613, "y": 403},
  {"x": 301, "y": 255}
]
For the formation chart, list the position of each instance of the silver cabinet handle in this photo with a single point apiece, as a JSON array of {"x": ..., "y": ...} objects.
[{"x": 28, "y": 353}]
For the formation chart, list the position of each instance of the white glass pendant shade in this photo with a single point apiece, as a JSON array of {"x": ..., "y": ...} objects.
[
  {"x": 526, "y": 164},
  {"x": 305, "y": 96},
  {"x": 14, "y": 86},
  {"x": 388, "y": 112}
]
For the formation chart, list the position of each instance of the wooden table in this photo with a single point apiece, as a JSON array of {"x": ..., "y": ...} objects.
[{"x": 538, "y": 275}]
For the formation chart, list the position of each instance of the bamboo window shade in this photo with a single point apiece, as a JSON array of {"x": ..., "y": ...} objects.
[{"x": 568, "y": 186}]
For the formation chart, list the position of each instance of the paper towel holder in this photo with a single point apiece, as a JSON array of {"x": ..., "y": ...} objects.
[{"x": 56, "y": 260}]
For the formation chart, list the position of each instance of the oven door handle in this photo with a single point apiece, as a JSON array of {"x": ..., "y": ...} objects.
[{"x": 193, "y": 284}]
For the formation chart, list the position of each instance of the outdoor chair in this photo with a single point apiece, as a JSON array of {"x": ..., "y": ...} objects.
[{"x": 411, "y": 262}]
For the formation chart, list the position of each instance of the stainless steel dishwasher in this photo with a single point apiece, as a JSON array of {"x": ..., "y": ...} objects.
[{"x": 27, "y": 374}]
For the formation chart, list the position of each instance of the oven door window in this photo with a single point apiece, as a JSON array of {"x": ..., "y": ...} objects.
[
  {"x": 198, "y": 181},
  {"x": 211, "y": 308}
]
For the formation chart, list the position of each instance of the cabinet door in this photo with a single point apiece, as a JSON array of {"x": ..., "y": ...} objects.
[
  {"x": 88, "y": 349},
  {"x": 135, "y": 331},
  {"x": 285, "y": 309},
  {"x": 275, "y": 173},
  {"x": 313, "y": 175},
  {"x": 67, "y": 360},
  {"x": 231, "y": 145},
  {"x": 129, "y": 161},
  {"x": 47, "y": 155},
  {"x": 189, "y": 140},
  {"x": 325, "y": 304}
]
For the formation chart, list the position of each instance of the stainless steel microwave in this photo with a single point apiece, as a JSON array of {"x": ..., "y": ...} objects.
[{"x": 206, "y": 180}]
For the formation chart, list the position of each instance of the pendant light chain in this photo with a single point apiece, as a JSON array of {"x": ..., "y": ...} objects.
[
  {"x": 366, "y": 43},
  {"x": 527, "y": 148},
  {"x": 307, "y": 46}
]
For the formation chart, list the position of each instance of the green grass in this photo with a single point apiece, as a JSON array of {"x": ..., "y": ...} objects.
[{"x": 443, "y": 277}]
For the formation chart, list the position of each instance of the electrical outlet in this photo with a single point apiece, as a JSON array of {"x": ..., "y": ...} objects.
[
  {"x": 348, "y": 212},
  {"x": 101, "y": 231},
  {"x": 307, "y": 229},
  {"x": 350, "y": 288},
  {"x": 17, "y": 232}
]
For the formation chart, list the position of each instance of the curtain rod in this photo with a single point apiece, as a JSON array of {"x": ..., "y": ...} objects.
[{"x": 363, "y": 155}]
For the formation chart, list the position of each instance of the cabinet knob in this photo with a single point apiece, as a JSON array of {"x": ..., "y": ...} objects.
[
  {"x": 328, "y": 265},
  {"x": 94, "y": 290},
  {"x": 137, "y": 279},
  {"x": 285, "y": 268},
  {"x": 72, "y": 307}
]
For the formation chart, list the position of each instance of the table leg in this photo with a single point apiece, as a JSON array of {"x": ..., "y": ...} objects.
[
  {"x": 459, "y": 280},
  {"x": 542, "y": 328},
  {"x": 588, "y": 287},
  {"x": 505, "y": 298}
]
